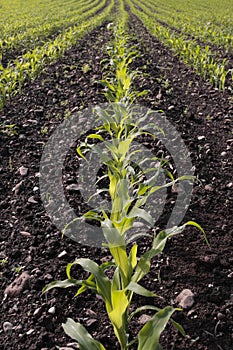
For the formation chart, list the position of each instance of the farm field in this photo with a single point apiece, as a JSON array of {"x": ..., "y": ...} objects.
[{"x": 58, "y": 58}]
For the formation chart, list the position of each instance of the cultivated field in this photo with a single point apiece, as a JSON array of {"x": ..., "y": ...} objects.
[{"x": 98, "y": 61}]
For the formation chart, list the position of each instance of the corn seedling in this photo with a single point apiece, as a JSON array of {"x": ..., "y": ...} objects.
[{"x": 129, "y": 189}]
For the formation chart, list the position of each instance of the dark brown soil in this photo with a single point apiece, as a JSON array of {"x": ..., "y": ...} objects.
[{"x": 203, "y": 117}]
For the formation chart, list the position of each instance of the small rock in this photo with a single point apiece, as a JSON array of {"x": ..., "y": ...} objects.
[
  {"x": 36, "y": 188},
  {"x": 23, "y": 171},
  {"x": 17, "y": 187},
  {"x": 91, "y": 313},
  {"x": 52, "y": 310},
  {"x": 185, "y": 299},
  {"x": 73, "y": 187},
  {"x": 28, "y": 259},
  {"x": 25, "y": 233},
  {"x": 62, "y": 254},
  {"x": 18, "y": 285},
  {"x": 32, "y": 200},
  {"x": 7, "y": 327},
  {"x": 37, "y": 312},
  {"x": 230, "y": 185},
  {"x": 191, "y": 312},
  {"x": 223, "y": 154},
  {"x": 91, "y": 321},
  {"x": 30, "y": 331},
  {"x": 144, "y": 318},
  {"x": 201, "y": 138},
  {"x": 208, "y": 188},
  {"x": 170, "y": 107}
]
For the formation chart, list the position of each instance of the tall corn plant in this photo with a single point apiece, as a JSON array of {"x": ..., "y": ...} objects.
[{"x": 129, "y": 190}]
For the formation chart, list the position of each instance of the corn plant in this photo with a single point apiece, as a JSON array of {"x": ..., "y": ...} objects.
[
  {"x": 129, "y": 190},
  {"x": 200, "y": 59},
  {"x": 13, "y": 76}
]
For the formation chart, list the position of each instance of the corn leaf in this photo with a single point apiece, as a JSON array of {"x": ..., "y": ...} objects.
[
  {"x": 103, "y": 284},
  {"x": 61, "y": 284},
  {"x": 133, "y": 256},
  {"x": 95, "y": 136},
  {"x": 77, "y": 332},
  {"x": 136, "y": 288},
  {"x": 148, "y": 337}
]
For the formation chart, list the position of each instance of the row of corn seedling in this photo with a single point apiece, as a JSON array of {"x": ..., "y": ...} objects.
[
  {"x": 129, "y": 188},
  {"x": 33, "y": 36},
  {"x": 199, "y": 58},
  {"x": 199, "y": 26},
  {"x": 32, "y": 63}
]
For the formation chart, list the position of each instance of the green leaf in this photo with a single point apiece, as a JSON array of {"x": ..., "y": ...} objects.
[
  {"x": 152, "y": 307},
  {"x": 117, "y": 315},
  {"x": 95, "y": 136},
  {"x": 61, "y": 284},
  {"x": 78, "y": 150},
  {"x": 143, "y": 308},
  {"x": 119, "y": 305},
  {"x": 193, "y": 223},
  {"x": 103, "y": 284},
  {"x": 133, "y": 256},
  {"x": 141, "y": 213},
  {"x": 148, "y": 337},
  {"x": 178, "y": 327},
  {"x": 77, "y": 332},
  {"x": 136, "y": 288}
]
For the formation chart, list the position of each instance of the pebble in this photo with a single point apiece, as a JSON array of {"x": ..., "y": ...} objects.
[
  {"x": 73, "y": 187},
  {"x": 32, "y": 200},
  {"x": 30, "y": 331},
  {"x": 201, "y": 138},
  {"x": 144, "y": 318},
  {"x": 185, "y": 299},
  {"x": 17, "y": 187},
  {"x": 208, "y": 188},
  {"x": 91, "y": 321},
  {"x": 37, "y": 312},
  {"x": 230, "y": 185},
  {"x": 25, "y": 233},
  {"x": 52, "y": 310},
  {"x": 23, "y": 171},
  {"x": 7, "y": 327},
  {"x": 48, "y": 276},
  {"x": 223, "y": 154},
  {"x": 18, "y": 285},
  {"x": 62, "y": 254}
]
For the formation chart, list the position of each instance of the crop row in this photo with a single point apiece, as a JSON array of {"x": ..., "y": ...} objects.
[
  {"x": 198, "y": 57},
  {"x": 34, "y": 35},
  {"x": 198, "y": 26},
  {"x": 129, "y": 185},
  {"x": 30, "y": 64}
]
